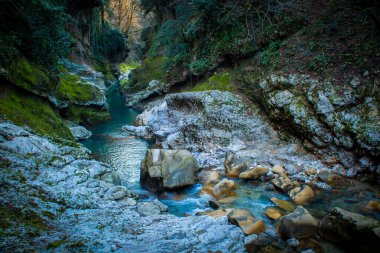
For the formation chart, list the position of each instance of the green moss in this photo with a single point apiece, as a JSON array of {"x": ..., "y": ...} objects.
[
  {"x": 151, "y": 69},
  {"x": 86, "y": 115},
  {"x": 105, "y": 69},
  {"x": 124, "y": 67},
  {"x": 27, "y": 109},
  {"x": 72, "y": 88},
  {"x": 221, "y": 82},
  {"x": 30, "y": 76}
]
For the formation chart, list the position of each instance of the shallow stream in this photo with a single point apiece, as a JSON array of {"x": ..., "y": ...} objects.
[{"x": 110, "y": 144}]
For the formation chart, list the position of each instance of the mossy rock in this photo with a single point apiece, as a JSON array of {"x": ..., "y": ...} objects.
[
  {"x": 74, "y": 90},
  {"x": 151, "y": 69},
  {"x": 86, "y": 115},
  {"x": 105, "y": 69},
  {"x": 220, "y": 81},
  {"x": 31, "y": 77},
  {"x": 24, "y": 108}
]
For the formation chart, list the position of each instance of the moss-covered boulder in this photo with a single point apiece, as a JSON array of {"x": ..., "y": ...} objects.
[
  {"x": 73, "y": 90},
  {"x": 86, "y": 115}
]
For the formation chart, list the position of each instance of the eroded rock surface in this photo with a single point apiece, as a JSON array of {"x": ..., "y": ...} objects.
[{"x": 55, "y": 197}]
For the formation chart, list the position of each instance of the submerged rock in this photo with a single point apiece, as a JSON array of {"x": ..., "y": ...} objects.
[
  {"x": 283, "y": 204},
  {"x": 351, "y": 231},
  {"x": 274, "y": 213},
  {"x": 167, "y": 169},
  {"x": 246, "y": 221},
  {"x": 300, "y": 224}
]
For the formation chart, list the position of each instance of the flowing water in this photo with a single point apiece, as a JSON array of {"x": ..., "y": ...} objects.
[{"x": 110, "y": 144}]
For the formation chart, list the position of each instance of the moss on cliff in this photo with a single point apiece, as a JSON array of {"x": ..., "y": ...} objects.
[
  {"x": 86, "y": 115},
  {"x": 30, "y": 76},
  {"x": 151, "y": 69},
  {"x": 71, "y": 88},
  {"x": 24, "y": 108},
  {"x": 220, "y": 81}
]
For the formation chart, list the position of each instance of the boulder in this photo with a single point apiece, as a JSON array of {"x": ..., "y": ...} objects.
[
  {"x": 283, "y": 204},
  {"x": 234, "y": 165},
  {"x": 302, "y": 195},
  {"x": 372, "y": 206},
  {"x": 246, "y": 221},
  {"x": 300, "y": 224},
  {"x": 277, "y": 169},
  {"x": 351, "y": 231},
  {"x": 254, "y": 173},
  {"x": 223, "y": 188},
  {"x": 284, "y": 183},
  {"x": 80, "y": 132},
  {"x": 273, "y": 213},
  {"x": 167, "y": 169}
]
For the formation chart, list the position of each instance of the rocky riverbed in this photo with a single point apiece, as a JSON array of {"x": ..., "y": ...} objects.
[{"x": 238, "y": 151}]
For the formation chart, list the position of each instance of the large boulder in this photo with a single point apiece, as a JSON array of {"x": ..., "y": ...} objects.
[
  {"x": 167, "y": 169},
  {"x": 300, "y": 224},
  {"x": 351, "y": 231}
]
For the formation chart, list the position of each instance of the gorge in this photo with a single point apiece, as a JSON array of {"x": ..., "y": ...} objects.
[{"x": 189, "y": 126}]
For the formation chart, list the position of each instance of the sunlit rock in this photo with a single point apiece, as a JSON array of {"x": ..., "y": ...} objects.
[{"x": 167, "y": 169}]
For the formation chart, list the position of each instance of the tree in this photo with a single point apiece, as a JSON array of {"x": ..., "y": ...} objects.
[{"x": 122, "y": 13}]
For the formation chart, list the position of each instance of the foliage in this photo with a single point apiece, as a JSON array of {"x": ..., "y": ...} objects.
[
  {"x": 35, "y": 28},
  {"x": 151, "y": 69},
  {"x": 124, "y": 67},
  {"x": 203, "y": 32}
]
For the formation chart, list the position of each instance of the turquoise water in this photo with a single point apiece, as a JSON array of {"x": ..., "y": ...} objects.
[{"x": 111, "y": 145}]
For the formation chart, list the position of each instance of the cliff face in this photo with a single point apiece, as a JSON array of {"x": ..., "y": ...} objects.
[{"x": 71, "y": 77}]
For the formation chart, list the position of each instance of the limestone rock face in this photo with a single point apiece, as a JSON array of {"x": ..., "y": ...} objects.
[
  {"x": 59, "y": 185},
  {"x": 246, "y": 221},
  {"x": 202, "y": 120},
  {"x": 334, "y": 119},
  {"x": 352, "y": 231},
  {"x": 299, "y": 224},
  {"x": 167, "y": 169}
]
